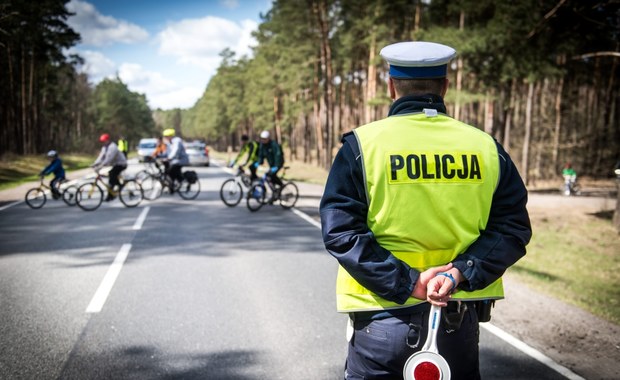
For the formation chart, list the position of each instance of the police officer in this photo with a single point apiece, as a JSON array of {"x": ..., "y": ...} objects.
[
  {"x": 420, "y": 209},
  {"x": 123, "y": 145}
]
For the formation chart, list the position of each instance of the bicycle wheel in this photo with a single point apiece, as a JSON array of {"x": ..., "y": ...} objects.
[
  {"x": 131, "y": 193},
  {"x": 142, "y": 175},
  {"x": 188, "y": 190},
  {"x": 231, "y": 192},
  {"x": 89, "y": 196},
  {"x": 69, "y": 195},
  {"x": 151, "y": 187},
  {"x": 289, "y": 195},
  {"x": 35, "y": 198},
  {"x": 256, "y": 197}
]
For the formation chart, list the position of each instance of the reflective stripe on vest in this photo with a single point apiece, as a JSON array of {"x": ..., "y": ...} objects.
[{"x": 429, "y": 184}]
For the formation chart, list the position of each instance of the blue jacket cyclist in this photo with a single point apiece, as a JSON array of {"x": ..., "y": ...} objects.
[
  {"x": 420, "y": 208},
  {"x": 55, "y": 166}
]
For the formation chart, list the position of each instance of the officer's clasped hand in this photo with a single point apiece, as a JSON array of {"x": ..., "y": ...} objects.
[
  {"x": 441, "y": 287},
  {"x": 420, "y": 290}
]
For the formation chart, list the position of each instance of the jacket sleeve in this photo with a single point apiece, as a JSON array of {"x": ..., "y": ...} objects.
[
  {"x": 507, "y": 232},
  {"x": 100, "y": 157},
  {"x": 346, "y": 234},
  {"x": 49, "y": 168}
]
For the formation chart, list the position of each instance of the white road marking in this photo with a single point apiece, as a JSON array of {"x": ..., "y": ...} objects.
[
  {"x": 140, "y": 221},
  {"x": 101, "y": 295},
  {"x": 10, "y": 205},
  {"x": 516, "y": 343},
  {"x": 307, "y": 218},
  {"x": 534, "y": 353}
]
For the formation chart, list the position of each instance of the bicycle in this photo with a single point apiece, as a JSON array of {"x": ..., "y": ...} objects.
[
  {"x": 153, "y": 179},
  {"x": 571, "y": 187},
  {"x": 36, "y": 197},
  {"x": 90, "y": 194},
  {"x": 153, "y": 185},
  {"x": 264, "y": 192},
  {"x": 232, "y": 189}
]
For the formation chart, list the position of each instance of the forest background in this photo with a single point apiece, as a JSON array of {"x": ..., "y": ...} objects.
[{"x": 541, "y": 76}]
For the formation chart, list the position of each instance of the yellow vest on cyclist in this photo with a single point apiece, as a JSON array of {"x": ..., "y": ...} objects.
[{"x": 429, "y": 184}]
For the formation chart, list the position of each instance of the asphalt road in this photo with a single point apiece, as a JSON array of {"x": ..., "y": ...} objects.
[{"x": 205, "y": 292}]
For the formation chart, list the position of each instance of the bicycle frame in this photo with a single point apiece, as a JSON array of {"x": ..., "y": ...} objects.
[{"x": 36, "y": 197}]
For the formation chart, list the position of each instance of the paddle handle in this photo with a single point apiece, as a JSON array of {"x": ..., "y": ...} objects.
[{"x": 434, "y": 318}]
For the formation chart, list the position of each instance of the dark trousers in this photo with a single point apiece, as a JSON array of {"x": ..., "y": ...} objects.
[
  {"x": 273, "y": 177},
  {"x": 174, "y": 171},
  {"x": 113, "y": 174},
  {"x": 253, "y": 175},
  {"x": 379, "y": 350},
  {"x": 55, "y": 184}
]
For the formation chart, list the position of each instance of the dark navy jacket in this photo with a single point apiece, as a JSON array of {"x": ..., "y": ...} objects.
[
  {"x": 347, "y": 236},
  {"x": 54, "y": 167}
]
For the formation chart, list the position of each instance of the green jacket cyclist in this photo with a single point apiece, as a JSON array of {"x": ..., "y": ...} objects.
[
  {"x": 272, "y": 151},
  {"x": 249, "y": 147}
]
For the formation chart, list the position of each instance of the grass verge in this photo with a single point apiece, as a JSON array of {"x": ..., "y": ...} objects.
[
  {"x": 575, "y": 258},
  {"x": 15, "y": 170}
]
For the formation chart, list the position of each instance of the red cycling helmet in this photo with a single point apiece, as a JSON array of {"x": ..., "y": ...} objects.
[{"x": 104, "y": 137}]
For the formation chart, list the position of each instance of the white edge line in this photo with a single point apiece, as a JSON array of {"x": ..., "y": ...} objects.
[
  {"x": 140, "y": 221},
  {"x": 516, "y": 343},
  {"x": 101, "y": 295},
  {"x": 307, "y": 218},
  {"x": 10, "y": 205},
  {"x": 534, "y": 353}
]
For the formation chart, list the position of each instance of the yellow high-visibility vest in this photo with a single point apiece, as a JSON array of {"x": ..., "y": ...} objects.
[
  {"x": 429, "y": 184},
  {"x": 122, "y": 145}
]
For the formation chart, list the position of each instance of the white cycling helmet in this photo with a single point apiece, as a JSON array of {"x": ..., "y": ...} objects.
[
  {"x": 265, "y": 135},
  {"x": 52, "y": 153}
]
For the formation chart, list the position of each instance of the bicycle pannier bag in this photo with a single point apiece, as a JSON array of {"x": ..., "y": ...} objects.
[{"x": 191, "y": 176}]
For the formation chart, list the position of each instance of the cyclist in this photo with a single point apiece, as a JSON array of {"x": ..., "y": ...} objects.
[
  {"x": 176, "y": 156},
  {"x": 110, "y": 155},
  {"x": 55, "y": 166},
  {"x": 570, "y": 177},
  {"x": 251, "y": 149},
  {"x": 160, "y": 152},
  {"x": 272, "y": 151}
]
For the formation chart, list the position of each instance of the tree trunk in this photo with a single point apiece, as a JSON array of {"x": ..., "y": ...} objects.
[
  {"x": 277, "y": 116},
  {"x": 371, "y": 79},
  {"x": 509, "y": 115},
  {"x": 326, "y": 60},
  {"x": 558, "y": 125},
  {"x": 488, "y": 113},
  {"x": 528, "y": 134},
  {"x": 316, "y": 109},
  {"x": 459, "y": 75}
]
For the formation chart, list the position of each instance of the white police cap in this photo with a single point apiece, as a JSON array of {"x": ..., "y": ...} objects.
[{"x": 418, "y": 59}]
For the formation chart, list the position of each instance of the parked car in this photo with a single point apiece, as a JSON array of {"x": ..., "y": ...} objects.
[
  {"x": 146, "y": 147},
  {"x": 198, "y": 153}
]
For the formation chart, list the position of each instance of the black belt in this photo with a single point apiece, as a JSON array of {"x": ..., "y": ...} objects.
[{"x": 382, "y": 314}]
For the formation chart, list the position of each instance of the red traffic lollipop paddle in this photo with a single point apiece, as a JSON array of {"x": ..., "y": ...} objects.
[{"x": 427, "y": 364}]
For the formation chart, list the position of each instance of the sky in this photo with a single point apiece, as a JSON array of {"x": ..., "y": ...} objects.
[{"x": 166, "y": 49}]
